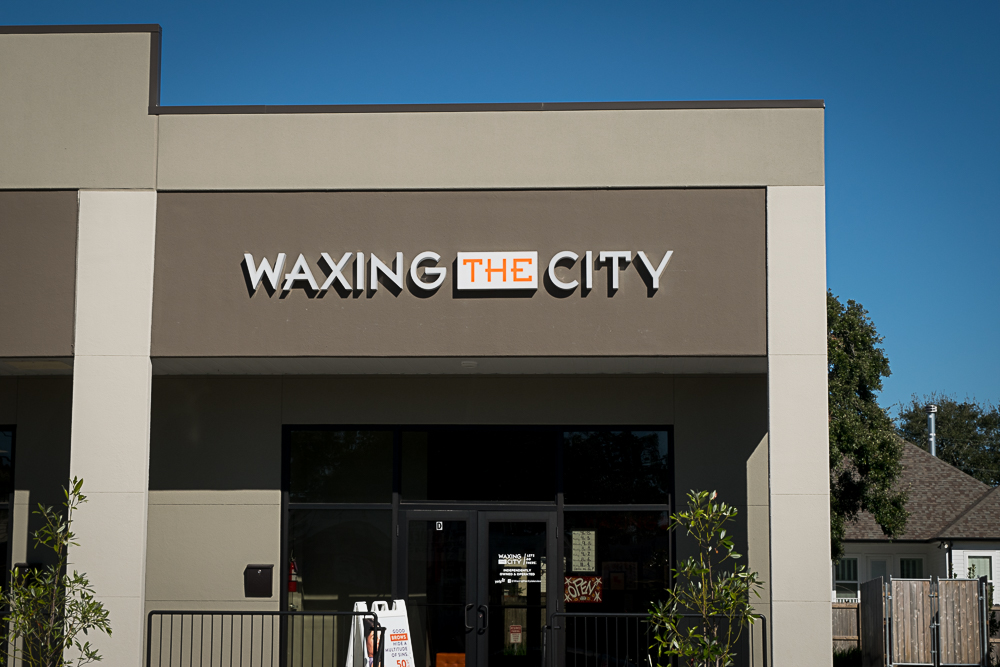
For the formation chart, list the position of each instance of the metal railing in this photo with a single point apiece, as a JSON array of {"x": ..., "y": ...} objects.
[
  {"x": 252, "y": 638},
  {"x": 320, "y": 639},
  {"x": 626, "y": 640}
]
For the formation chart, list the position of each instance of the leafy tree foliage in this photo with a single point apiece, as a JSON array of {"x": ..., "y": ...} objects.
[
  {"x": 968, "y": 433},
  {"x": 865, "y": 453},
  {"x": 709, "y": 586},
  {"x": 48, "y": 609}
]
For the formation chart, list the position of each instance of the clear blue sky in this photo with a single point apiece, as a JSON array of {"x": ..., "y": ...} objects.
[{"x": 912, "y": 129}]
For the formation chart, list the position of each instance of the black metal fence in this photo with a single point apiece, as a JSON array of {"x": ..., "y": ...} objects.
[
  {"x": 251, "y": 639},
  {"x": 626, "y": 640},
  {"x": 320, "y": 639}
]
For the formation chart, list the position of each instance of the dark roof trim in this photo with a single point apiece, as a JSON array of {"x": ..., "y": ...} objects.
[
  {"x": 156, "y": 110},
  {"x": 155, "y": 52},
  {"x": 472, "y": 107},
  {"x": 53, "y": 29}
]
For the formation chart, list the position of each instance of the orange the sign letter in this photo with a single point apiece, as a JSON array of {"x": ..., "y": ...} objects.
[
  {"x": 490, "y": 270},
  {"x": 516, "y": 270},
  {"x": 473, "y": 262}
]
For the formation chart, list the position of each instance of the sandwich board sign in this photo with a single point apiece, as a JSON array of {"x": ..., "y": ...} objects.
[{"x": 397, "y": 644}]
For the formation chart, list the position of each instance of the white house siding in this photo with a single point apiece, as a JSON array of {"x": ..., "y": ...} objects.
[
  {"x": 960, "y": 560},
  {"x": 935, "y": 559}
]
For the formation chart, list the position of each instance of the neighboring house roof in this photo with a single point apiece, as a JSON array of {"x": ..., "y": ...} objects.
[
  {"x": 981, "y": 521},
  {"x": 943, "y": 503}
]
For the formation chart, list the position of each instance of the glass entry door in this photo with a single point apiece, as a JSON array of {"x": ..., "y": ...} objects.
[
  {"x": 515, "y": 577},
  {"x": 476, "y": 586},
  {"x": 439, "y": 576}
]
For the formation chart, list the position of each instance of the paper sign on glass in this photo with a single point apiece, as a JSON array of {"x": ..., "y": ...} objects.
[
  {"x": 497, "y": 270},
  {"x": 584, "y": 549},
  {"x": 583, "y": 589}
]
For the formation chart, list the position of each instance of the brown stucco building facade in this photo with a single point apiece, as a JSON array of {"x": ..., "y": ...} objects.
[{"x": 221, "y": 409}]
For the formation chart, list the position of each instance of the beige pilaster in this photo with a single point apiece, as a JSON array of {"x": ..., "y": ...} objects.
[
  {"x": 111, "y": 407},
  {"x": 798, "y": 428}
]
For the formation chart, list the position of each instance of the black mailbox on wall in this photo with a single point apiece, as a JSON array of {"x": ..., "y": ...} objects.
[{"x": 257, "y": 580}]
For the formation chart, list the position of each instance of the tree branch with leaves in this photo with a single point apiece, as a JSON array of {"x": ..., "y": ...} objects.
[
  {"x": 865, "y": 453},
  {"x": 709, "y": 606},
  {"x": 49, "y": 608}
]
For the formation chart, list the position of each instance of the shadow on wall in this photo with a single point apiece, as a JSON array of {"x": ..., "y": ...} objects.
[
  {"x": 215, "y": 433},
  {"x": 721, "y": 443},
  {"x": 41, "y": 409}
]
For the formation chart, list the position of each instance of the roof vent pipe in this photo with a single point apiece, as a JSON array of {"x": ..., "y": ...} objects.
[{"x": 931, "y": 411}]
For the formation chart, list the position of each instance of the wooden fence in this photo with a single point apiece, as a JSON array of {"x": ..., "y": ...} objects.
[
  {"x": 931, "y": 622},
  {"x": 872, "y": 612},
  {"x": 962, "y": 615},
  {"x": 910, "y": 619},
  {"x": 846, "y": 625}
]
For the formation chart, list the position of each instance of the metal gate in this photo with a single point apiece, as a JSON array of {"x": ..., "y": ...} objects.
[{"x": 930, "y": 622}]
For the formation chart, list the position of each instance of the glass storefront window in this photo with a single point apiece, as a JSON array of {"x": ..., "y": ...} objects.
[
  {"x": 6, "y": 464},
  {"x": 339, "y": 557},
  {"x": 612, "y": 467},
  {"x": 6, "y": 499},
  {"x": 454, "y": 571},
  {"x": 340, "y": 466},
  {"x": 615, "y": 561},
  {"x": 336, "y": 558},
  {"x": 479, "y": 464}
]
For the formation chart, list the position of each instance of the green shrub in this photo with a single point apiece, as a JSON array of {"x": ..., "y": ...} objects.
[
  {"x": 48, "y": 608},
  {"x": 709, "y": 587}
]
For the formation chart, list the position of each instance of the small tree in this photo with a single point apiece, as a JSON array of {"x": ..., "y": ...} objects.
[
  {"x": 48, "y": 608},
  {"x": 708, "y": 586}
]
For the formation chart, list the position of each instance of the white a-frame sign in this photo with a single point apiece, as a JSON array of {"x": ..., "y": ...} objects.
[{"x": 397, "y": 643}]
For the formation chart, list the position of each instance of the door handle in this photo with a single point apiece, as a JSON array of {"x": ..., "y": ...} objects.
[
  {"x": 465, "y": 618},
  {"x": 484, "y": 613}
]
